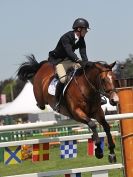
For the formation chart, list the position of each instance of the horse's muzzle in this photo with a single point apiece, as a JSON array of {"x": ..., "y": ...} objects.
[
  {"x": 114, "y": 99},
  {"x": 113, "y": 103}
]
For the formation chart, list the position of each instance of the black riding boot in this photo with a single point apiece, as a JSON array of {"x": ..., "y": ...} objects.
[{"x": 58, "y": 94}]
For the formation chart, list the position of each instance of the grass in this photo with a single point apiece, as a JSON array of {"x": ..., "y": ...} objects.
[{"x": 55, "y": 163}]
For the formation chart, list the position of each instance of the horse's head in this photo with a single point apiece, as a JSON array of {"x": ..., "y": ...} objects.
[{"x": 106, "y": 80}]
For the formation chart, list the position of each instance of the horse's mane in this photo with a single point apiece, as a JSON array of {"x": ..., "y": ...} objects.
[
  {"x": 103, "y": 63},
  {"x": 89, "y": 65}
]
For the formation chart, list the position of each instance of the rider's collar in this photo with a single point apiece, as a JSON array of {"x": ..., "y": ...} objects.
[{"x": 76, "y": 37}]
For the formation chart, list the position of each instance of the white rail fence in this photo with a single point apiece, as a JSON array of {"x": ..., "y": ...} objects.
[
  {"x": 29, "y": 126},
  {"x": 97, "y": 171},
  {"x": 54, "y": 139}
]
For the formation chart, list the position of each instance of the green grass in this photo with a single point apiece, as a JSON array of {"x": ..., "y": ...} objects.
[{"x": 55, "y": 163}]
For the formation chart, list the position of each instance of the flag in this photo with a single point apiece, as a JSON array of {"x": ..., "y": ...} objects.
[
  {"x": 102, "y": 143},
  {"x": 40, "y": 152},
  {"x": 12, "y": 155},
  {"x": 73, "y": 175},
  {"x": 91, "y": 146},
  {"x": 68, "y": 149},
  {"x": 26, "y": 152}
]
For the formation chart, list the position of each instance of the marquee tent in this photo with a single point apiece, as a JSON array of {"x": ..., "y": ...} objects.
[{"x": 25, "y": 103}]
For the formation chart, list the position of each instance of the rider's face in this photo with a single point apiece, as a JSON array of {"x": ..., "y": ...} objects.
[{"x": 83, "y": 32}]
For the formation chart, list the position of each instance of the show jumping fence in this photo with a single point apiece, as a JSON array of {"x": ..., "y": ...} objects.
[
  {"x": 126, "y": 106},
  {"x": 39, "y": 125},
  {"x": 96, "y": 171}
]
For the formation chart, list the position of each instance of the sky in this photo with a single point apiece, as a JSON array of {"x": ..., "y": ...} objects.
[{"x": 35, "y": 26}]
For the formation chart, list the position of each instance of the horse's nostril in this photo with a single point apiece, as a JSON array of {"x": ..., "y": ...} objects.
[{"x": 113, "y": 103}]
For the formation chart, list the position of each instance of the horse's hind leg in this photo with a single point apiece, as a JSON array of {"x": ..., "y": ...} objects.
[{"x": 82, "y": 117}]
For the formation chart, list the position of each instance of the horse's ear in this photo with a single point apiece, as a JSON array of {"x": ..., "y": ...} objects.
[{"x": 112, "y": 65}]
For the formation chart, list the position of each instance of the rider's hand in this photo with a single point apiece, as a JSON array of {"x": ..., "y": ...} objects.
[
  {"x": 86, "y": 63},
  {"x": 78, "y": 61},
  {"x": 77, "y": 65}
]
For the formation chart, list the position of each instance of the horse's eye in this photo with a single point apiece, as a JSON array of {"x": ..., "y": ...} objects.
[{"x": 103, "y": 80}]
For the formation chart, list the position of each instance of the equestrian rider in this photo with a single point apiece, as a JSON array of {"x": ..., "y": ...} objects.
[{"x": 63, "y": 56}]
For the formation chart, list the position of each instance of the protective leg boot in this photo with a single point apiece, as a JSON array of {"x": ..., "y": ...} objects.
[{"x": 58, "y": 94}]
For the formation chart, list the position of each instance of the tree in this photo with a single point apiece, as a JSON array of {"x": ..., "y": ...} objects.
[
  {"x": 125, "y": 69},
  {"x": 11, "y": 88}
]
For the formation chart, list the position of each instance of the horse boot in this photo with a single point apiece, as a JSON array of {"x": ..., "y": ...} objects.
[
  {"x": 103, "y": 101},
  {"x": 58, "y": 95}
]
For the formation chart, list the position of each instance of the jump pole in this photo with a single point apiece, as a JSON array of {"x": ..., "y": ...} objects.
[{"x": 126, "y": 106}]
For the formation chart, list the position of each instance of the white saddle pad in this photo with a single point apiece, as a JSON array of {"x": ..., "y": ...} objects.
[
  {"x": 52, "y": 86},
  {"x": 54, "y": 82}
]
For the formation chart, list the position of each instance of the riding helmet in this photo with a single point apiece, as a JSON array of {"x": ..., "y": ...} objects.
[{"x": 80, "y": 23}]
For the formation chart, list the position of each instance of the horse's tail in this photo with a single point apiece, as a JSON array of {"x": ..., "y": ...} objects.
[{"x": 28, "y": 69}]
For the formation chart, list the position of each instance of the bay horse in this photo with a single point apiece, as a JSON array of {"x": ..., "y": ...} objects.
[{"x": 82, "y": 98}]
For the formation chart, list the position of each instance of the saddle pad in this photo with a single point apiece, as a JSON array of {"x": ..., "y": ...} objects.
[
  {"x": 54, "y": 82},
  {"x": 52, "y": 86}
]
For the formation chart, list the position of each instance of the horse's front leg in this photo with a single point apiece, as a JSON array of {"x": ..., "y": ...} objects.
[
  {"x": 81, "y": 116},
  {"x": 101, "y": 119},
  {"x": 98, "y": 150},
  {"x": 111, "y": 145}
]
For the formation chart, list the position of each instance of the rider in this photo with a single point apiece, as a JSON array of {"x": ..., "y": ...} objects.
[{"x": 63, "y": 56}]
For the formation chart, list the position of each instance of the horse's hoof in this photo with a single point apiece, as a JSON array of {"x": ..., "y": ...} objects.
[
  {"x": 99, "y": 153},
  {"x": 112, "y": 158}
]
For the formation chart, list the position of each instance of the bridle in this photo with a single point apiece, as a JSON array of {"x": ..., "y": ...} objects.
[
  {"x": 105, "y": 91},
  {"x": 102, "y": 90}
]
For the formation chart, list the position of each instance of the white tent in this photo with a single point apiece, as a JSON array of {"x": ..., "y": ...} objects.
[{"x": 24, "y": 103}]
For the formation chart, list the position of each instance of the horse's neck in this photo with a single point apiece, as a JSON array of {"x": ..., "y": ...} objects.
[
  {"x": 91, "y": 85},
  {"x": 92, "y": 74}
]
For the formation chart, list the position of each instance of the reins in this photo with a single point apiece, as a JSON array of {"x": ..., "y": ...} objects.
[{"x": 102, "y": 91}]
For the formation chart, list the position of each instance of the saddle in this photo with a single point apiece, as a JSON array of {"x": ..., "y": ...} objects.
[{"x": 52, "y": 86}]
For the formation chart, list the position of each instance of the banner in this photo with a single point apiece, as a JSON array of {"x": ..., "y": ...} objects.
[
  {"x": 12, "y": 155},
  {"x": 73, "y": 175},
  {"x": 68, "y": 149},
  {"x": 40, "y": 152}
]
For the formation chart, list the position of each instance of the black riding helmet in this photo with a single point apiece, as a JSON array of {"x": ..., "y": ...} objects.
[{"x": 80, "y": 23}]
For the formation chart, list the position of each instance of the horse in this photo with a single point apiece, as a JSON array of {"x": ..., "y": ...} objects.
[{"x": 82, "y": 98}]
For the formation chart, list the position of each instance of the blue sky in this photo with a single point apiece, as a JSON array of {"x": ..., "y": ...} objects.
[{"x": 34, "y": 26}]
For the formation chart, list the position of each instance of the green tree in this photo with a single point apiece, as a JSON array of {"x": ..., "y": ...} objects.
[
  {"x": 11, "y": 88},
  {"x": 125, "y": 69},
  {"x": 8, "y": 90}
]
